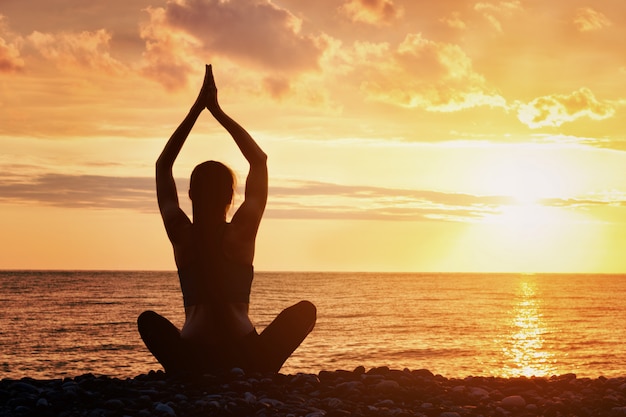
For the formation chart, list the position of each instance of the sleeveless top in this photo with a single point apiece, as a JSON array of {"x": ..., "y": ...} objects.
[{"x": 213, "y": 278}]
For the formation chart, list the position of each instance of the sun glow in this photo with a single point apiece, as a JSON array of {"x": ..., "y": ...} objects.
[{"x": 532, "y": 226}]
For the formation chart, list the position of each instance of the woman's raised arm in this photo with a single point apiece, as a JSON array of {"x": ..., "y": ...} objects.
[
  {"x": 167, "y": 197},
  {"x": 248, "y": 216}
]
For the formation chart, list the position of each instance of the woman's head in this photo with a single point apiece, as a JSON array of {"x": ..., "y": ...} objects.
[{"x": 211, "y": 186}]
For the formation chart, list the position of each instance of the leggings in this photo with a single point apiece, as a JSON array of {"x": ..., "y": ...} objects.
[{"x": 265, "y": 352}]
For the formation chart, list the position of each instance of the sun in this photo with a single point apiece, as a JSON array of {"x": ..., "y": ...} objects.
[
  {"x": 528, "y": 218},
  {"x": 528, "y": 183},
  {"x": 528, "y": 173}
]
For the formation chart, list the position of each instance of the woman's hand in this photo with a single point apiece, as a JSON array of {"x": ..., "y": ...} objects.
[{"x": 208, "y": 93}]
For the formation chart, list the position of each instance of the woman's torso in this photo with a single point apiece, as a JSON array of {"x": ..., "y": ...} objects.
[{"x": 215, "y": 284}]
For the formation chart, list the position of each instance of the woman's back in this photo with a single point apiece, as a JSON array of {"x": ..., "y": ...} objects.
[{"x": 216, "y": 287}]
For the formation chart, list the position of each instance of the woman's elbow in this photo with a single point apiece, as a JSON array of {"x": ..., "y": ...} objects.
[
  {"x": 260, "y": 159},
  {"x": 162, "y": 165}
]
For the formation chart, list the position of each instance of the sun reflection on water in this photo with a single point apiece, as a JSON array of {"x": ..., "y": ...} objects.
[{"x": 525, "y": 350}]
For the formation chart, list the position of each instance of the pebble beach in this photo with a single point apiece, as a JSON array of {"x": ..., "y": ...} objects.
[{"x": 374, "y": 392}]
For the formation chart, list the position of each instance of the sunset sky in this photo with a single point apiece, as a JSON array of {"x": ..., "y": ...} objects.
[{"x": 402, "y": 135}]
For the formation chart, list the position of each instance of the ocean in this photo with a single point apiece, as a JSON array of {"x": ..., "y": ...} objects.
[{"x": 67, "y": 323}]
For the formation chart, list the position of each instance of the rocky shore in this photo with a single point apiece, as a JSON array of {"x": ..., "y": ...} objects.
[{"x": 375, "y": 392}]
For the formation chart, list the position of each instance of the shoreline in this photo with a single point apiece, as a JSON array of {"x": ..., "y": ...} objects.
[{"x": 375, "y": 392}]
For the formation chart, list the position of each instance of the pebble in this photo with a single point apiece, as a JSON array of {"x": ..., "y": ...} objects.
[
  {"x": 42, "y": 403},
  {"x": 513, "y": 401},
  {"x": 114, "y": 404},
  {"x": 25, "y": 387},
  {"x": 387, "y": 385},
  {"x": 363, "y": 393},
  {"x": 449, "y": 414},
  {"x": 478, "y": 392},
  {"x": 164, "y": 409}
]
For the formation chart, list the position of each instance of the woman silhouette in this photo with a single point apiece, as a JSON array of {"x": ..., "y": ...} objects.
[{"x": 214, "y": 260}]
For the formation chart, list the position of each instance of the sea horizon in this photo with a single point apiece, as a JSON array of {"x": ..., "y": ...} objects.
[{"x": 321, "y": 271}]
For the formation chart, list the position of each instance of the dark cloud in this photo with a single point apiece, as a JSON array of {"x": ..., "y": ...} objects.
[
  {"x": 256, "y": 33},
  {"x": 81, "y": 191},
  {"x": 296, "y": 200},
  {"x": 253, "y": 30},
  {"x": 310, "y": 188},
  {"x": 366, "y": 202}
]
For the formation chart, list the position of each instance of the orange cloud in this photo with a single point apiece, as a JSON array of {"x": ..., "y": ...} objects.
[
  {"x": 371, "y": 11},
  {"x": 277, "y": 87},
  {"x": 169, "y": 54},
  {"x": 426, "y": 74},
  {"x": 255, "y": 32},
  {"x": 557, "y": 109},
  {"x": 588, "y": 19},
  {"x": 88, "y": 50},
  {"x": 10, "y": 59},
  {"x": 454, "y": 21},
  {"x": 495, "y": 12}
]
